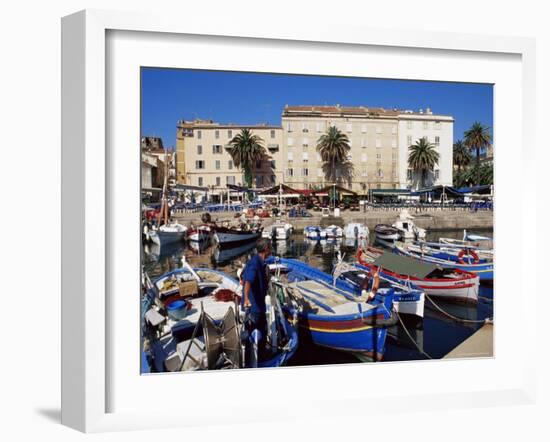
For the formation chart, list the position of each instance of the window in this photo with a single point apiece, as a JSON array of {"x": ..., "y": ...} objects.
[
  {"x": 289, "y": 156},
  {"x": 424, "y": 125},
  {"x": 409, "y": 124},
  {"x": 363, "y": 142},
  {"x": 437, "y": 125},
  {"x": 437, "y": 141},
  {"x": 217, "y": 148},
  {"x": 409, "y": 140},
  {"x": 305, "y": 128},
  {"x": 436, "y": 174},
  {"x": 199, "y": 134},
  {"x": 364, "y": 172},
  {"x": 394, "y": 130},
  {"x": 199, "y": 164},
  {"x": 216, "y": 134},
  {"x": 378, "y": 129},
  {"x": 290, "y": 142},
  {"x": 218, "y": 164},
  {"x": 380, "y": 173},
  {"x": 305, "y": 171},
  {"x": 289, "y": 172},
  {"x": 394, "y": 143},
  {"x": 378, "y": 142},
  {"x": 230, "y": 164},
  {"x": 273, "y": 179},
  {"x": 305, "y": 142},
  {"x": 229, "y": 180},
  {"x": 199, "y": 149},
  {"x": 200, "y": 181},
  {"x": 320, "y": 173},
  {"x": 289, "y": 127},
  {"x": 260, "y": 180},
  {"x": 218, "y": 181},
  {"x": 378, "y": 156},
  {"x": 348, "y": 127},
  {"x": 363, "y": 157},
  {"x": 409, "y": 174},
  {"x": 319, "y": 127},
  {"x": 319, "y": 159},
  {"x": 394, "y": 156},
  {"x": 364, "y": 128},
  {"x": 272, "y": 164},
  {"x": 259, "y": 164},
  {"x": 305, "y": 156},
  {"x": 229, "y": 134},
  {"x": 272, "y": 134}
]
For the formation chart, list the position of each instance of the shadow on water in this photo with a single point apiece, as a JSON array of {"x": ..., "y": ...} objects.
[{"x": 436, "y": 335}]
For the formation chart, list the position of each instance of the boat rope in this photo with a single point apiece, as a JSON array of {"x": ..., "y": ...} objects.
[
  {"x": 422, "y": 352},
  {"x": 455, "y": 318}
]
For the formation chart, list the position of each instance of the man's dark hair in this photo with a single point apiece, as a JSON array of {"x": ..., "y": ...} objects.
[{"x": 263, "y": 245}]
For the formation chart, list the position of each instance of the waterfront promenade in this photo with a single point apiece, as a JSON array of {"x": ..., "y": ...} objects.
[{"x": 431, "y": 219}]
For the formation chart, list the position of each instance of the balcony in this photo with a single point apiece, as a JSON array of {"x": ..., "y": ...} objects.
[{"x": 273, "y": 148}]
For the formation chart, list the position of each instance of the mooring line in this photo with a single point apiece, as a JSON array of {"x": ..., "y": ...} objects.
[
  {"x": 475, "y": 321},
  {"x": 411, "y": 338}
]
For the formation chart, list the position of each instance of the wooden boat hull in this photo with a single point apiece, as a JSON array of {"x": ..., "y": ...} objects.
[
  {"x": 483, "y": 270},
  {"x": 227, "y": 238},
  {"x": 162, "y": 238}
]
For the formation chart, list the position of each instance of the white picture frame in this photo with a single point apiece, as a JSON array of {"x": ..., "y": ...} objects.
[{"x": 86, "y": 206}]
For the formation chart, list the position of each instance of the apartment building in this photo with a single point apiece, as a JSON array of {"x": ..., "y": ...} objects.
[
  {"x": 203, "y": 159},
  {"x": 379, "y": 140},
  {"x": 438, "y": 130}
]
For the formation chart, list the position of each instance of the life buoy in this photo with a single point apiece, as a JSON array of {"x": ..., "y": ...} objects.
[{"x": 467, "y": 252}]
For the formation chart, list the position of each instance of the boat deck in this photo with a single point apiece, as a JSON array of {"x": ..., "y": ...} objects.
[{"x": 324, "y": 300}]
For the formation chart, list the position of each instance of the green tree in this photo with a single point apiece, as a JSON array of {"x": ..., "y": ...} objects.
[
  {"x": 334, "y": 148},
  {"x": 246, "y": 149},
  {"x": 423, "y": 157},
  {"x": 476, "y": 138},
  {"x": 461, "y": 155}
]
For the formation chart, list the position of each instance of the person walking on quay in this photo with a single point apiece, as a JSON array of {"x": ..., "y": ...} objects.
[{"x": 255, "y": 282}]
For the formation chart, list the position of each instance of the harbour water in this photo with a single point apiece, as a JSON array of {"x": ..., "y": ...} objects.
[{"x": 435, "y": 336}]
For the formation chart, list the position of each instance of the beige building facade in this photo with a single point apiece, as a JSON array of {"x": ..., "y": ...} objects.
[
  {"x": 203, "y": 159},
  {"x": 373, "y": 136},
  {"x": 379, "y": 140}
]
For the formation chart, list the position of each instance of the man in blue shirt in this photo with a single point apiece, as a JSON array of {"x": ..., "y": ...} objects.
[{"x": 255, "y": 282}]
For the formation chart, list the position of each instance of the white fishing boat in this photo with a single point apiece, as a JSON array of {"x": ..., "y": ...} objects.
[
  {"x": 200, "y": 233},
  {"x": 192, "y": 320},
  {"x": 279, "y": 230},
  {"x": 386, "y": 232},
  {"x": 334, "y": 231},
  {"x": 231, "y": 237},
  {"x": 407, "y": 229},
  {"x": 169, "y": 233},
  {"x": 356, "y": 230},
  {"x": 315, "y": 232}
]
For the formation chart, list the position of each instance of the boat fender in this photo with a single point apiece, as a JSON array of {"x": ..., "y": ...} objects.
[{"x": 466, "y": 252}]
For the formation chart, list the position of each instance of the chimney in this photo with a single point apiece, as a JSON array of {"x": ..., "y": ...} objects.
[
  {"x": 428, "y": 111},
  {"x": 421, "y": 111}
]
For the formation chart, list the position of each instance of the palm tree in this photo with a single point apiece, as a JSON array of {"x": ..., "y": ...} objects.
[
  {"x": 477, "y": 138},
  {"x": 246, "y": 149},
  {"x": 423, "y": 157},
  {"x": 334, "y": 148},
  {"x": 461, "y": 155}
]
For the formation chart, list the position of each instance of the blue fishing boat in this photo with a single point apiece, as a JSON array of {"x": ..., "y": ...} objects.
[
  {"x": 483, "y": 269},
  {"x": 331, "y": 316},
  {"x": 192, "y": 320}
]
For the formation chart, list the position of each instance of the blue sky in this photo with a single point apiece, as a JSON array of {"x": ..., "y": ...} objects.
[{"x": 169, "y": 95}]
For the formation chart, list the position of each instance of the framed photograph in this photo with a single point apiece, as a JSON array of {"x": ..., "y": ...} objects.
[{"x": 256, "y": 212}]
